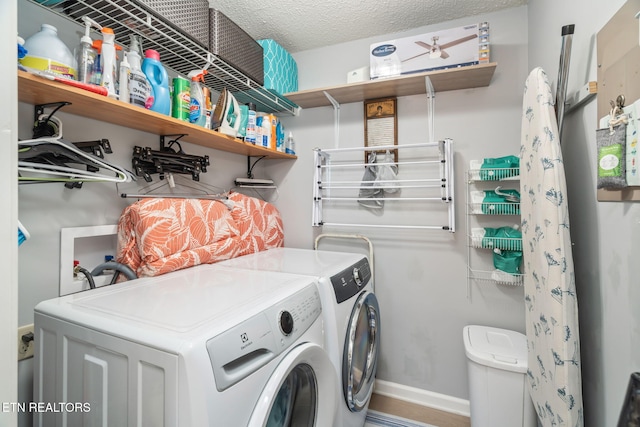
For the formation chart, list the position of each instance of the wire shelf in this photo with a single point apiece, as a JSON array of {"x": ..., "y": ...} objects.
[
  {"x": 494, "y": 174},
  {"x": 490, "y": 208},
  {"x": 178, "y": 51},
  {"x": 496, "y": 276},
  {"x": 503, "y": 243}
]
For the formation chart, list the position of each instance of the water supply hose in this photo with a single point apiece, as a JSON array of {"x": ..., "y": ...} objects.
[{"x": 118, "y": 267}]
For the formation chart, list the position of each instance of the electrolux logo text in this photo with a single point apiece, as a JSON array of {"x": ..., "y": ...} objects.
[{"x": 56, "y": 407}]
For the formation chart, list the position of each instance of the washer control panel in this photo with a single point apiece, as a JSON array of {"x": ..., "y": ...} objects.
[
  {"x": 245, "y": 348},
  {"x": 351, "y": 280}
]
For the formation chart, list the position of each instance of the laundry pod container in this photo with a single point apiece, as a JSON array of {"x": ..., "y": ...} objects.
[{"x": 497, "y": 365}]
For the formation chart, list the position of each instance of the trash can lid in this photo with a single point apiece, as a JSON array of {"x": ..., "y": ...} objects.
[{"x": 497, "y": 348}]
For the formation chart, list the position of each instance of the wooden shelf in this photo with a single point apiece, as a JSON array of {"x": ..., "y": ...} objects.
[
  {"x": 38, "y": 90},
  {"x": 413, "y": 84}
]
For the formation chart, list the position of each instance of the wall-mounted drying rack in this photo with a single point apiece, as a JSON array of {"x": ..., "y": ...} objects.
[
  {"x": 425, "y": 176},
  {"x": 178, "y": 51}
]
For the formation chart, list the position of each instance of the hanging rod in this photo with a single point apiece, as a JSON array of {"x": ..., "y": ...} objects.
[
  {"x": 392, "y": 199},
  {"x": 390, "y": 181},
  {"x": 171, "y": 196},
  {"x": 424, "y": 227},
  {"x": 352, "y": 165},
  {"x": 359, "y": 187},
  {"x": 381, "y": 147}
]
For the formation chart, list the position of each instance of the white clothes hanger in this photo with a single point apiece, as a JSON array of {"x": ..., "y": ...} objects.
[
  {"x": 68, "y": 174},
  {"x": 202, "y": 191}
]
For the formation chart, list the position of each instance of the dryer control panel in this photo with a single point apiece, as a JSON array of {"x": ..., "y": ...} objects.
[
  {"x": 351, "y": 280},
  {"x": 245, "y": 348}
]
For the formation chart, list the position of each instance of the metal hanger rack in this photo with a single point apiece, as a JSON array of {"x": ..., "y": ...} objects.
[
  {"x": 433, "y": 162},
  {"x": 178, "y": 51}
]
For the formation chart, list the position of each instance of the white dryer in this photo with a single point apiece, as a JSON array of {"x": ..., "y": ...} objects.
[
  {"x": 205, "y": 346},
  {"x": 351, "y": 314}
]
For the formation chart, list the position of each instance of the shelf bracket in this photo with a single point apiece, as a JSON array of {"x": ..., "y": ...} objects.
[
  {"x": 336, "y": 118},
  {"x": 431, "y": 105},
  {"x": 46, "y": 126},
  {"x": 166, "y": 145}
]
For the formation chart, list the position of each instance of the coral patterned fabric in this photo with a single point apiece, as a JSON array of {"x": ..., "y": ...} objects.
[{"x": 157, "y": 236}]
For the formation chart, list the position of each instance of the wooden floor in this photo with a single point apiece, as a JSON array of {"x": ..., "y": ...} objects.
[{"x": 417, "y": 412}]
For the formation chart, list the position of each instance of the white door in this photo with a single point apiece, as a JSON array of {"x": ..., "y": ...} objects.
[
  {"x": 300, "y": 393},
  {"x": 360, "y": 358}
]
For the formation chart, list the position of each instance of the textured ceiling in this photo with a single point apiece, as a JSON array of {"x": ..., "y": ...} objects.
[{"x": 300, "y": 25}]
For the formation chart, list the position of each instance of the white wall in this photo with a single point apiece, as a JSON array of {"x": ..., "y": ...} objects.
[
  {"x": 605, "y": 235},
  {"x": 8, "y": 214},
  {"x": 421, "y": 276}
]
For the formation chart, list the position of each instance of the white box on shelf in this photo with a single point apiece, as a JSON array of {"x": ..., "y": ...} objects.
[
  {"x": 358, "y": 75},
  {"x": 451, "y": 48}
]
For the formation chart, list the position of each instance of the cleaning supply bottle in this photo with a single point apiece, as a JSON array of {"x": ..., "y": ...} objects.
[
  {"x": 250, "y": 135},
  {"x": 290, "y": 145},
  {"x": 45, "y": 51},
  {"x": 160, "y": 97},
  {"x": 85, "y": 54},
  {"x": 139, "y": 91},
  {"x": 108, "y": 59},
  {"x": 197, "y": 105},
  {"x": 96, "y": 72},
  {"x": 125, "y": 72}
]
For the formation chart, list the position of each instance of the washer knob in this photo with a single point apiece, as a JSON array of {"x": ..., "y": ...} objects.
[
  {"x": 286, "y": 322},
  {"x": 357, "y": 277}
]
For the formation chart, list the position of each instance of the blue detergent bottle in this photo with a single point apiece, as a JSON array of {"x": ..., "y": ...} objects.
[{"x": 160, "y": 99}]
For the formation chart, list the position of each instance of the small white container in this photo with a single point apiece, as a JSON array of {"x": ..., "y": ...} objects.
[{"x": 497, "y": 366}]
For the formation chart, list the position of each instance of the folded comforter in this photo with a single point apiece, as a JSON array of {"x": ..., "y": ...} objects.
[{"x": 157, "y": 236}]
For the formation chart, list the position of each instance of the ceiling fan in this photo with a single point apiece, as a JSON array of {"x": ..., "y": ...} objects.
[{"x": 438, "y": 51}]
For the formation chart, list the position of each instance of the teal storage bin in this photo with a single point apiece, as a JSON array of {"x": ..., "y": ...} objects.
[{"x": 280, "y": 69}]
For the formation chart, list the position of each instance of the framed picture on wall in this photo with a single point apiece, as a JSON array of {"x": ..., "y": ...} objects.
[{"x": 380, "y": 125}]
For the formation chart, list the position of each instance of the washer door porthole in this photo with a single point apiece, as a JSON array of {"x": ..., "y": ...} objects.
[{"x": 361, "y": 352}]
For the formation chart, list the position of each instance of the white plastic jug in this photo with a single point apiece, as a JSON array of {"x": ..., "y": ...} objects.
[{"x": 45, "y": 51}]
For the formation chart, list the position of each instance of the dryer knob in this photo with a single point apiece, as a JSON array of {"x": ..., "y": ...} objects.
[
  {"x": 286, "y": 322},
  {"x": 357, "y": 277}
]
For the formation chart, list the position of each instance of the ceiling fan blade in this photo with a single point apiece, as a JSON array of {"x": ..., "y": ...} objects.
[
  {"x": 415, "y": 56},
  {"x": 424, "y": 45},
  {"x": 443, "y": 54},
  {"x": 456, "y": 42}
]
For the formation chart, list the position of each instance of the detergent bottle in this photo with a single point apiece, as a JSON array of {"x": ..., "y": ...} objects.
[
  {"x": 45, "y": 51},
  {"x": 85, "y": 54},
  {"x": 197, "y": 105},
  {"x": 160, "y": 97},
  {"x": 108, "y": 59}
]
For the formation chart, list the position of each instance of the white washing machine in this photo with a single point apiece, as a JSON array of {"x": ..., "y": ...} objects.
[
  {"x": 351, "y": 314},
  {"x": 205, "y": 346}
]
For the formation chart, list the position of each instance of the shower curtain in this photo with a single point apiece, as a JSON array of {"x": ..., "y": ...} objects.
[{"x": 554, "y": 369}]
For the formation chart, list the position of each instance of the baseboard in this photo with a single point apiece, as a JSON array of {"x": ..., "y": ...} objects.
[{"x": 421, "y": 397}]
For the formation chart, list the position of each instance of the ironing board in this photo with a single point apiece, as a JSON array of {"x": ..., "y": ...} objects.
[{"x": 554, "y": 369}]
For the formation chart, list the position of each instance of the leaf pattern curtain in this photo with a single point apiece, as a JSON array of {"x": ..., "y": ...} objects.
[{"x": 554, "y": 369}]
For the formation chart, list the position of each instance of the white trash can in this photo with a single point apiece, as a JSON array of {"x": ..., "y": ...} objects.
[{"x": 497, "y": 366}]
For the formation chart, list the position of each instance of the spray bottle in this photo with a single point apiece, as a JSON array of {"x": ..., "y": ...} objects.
[
  {"x": 108, "y": 59},
  {"x": 85, "y": 54},
  {"x": 124, "y": 78},
  {"x": 197, "y": 112},
  {"x": 139, "y": 91}
]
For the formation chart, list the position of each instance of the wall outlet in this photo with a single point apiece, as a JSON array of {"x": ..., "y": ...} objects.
[{"x": 26, "y": 342}]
